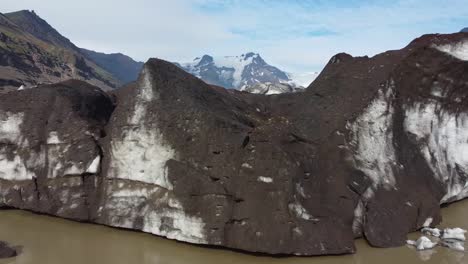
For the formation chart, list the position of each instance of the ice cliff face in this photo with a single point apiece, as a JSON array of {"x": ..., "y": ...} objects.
[
  {"x": 48, "y": 150},
  {"x": 138, "y": 189},
  {"x": 443, "y": 138},
  {"x": 371, "y": 148}
]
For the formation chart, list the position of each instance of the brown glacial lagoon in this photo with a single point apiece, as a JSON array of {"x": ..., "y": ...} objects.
[{"x": 48, "y": 240}]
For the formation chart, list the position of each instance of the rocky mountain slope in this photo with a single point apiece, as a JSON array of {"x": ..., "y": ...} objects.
[
  {"x": 371, "y": 149},
  {"x": 124, "y": 68},
  {"x": 31, "y": 23},
  {"x": 33, "y": 52},
  {"x": 464, "y": 30},
  {"x": 242, "y": 72}
]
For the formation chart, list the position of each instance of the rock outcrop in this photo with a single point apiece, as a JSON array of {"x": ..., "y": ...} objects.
[
  {"x": 372, "y": 148},
  {"x": 119, "y": 65},
  {"x": 6, "y": 251}
]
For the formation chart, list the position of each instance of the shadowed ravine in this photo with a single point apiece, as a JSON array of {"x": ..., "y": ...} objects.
[{"x": 48, "y": 240}]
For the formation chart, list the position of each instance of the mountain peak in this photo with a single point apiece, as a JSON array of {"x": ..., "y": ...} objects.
[
  {"x": 56, "y": 58},
  {"x": 206, "y": 59},
  {"x": 249, "y": 55},
  {"x": 26, "y": 12},
  {"x": 237, "y": 72},
  {"x": 465, "y": 30},
  {"x": 25, "y": 15},
  {"x": 30, "y": 22}
]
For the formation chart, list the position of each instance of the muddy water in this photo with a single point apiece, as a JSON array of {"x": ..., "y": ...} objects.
[{"x": 48, "y": 240}]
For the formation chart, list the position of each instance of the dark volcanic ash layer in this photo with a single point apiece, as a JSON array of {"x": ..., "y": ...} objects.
[{"x": 372, "y": 148}]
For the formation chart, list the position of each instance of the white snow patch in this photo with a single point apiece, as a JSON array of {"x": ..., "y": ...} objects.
[
  {"x": 142, "y": 153},
  {"x": 265, "y": 179},
  {"x": 458, "y": 50},
  {"x": 57, "y": 165},
  {"x": 72, "y": 169},
  {"x": 54, "y": 155},
  {"x": 301, "y": 190},
  {"x": 358, "y": 219},
  {"x": 10, "y": 124},
  {"x": 437, "y": 90},
  {"x": 301, "y": 212},
  {"x": 238, "y": 63},
  {"x": 435, "y": 232},
  {"x": 94, "y": 166},
  {"x": 443, "y": 141},
  {"x": 422, "y": 243},
  {"x": 372, "y": 140},
  {"x": 298, "y": 231},
  {"x": 184, "y": 228},
  {"x": 163, "y": 216},
  {"x": 428, "y": 222},
  {"x": 272, "y": 92},
  {"x": 131, "y": 192},
  {"x": 246, "y": 165},
  {"x": 53, "y": 138},
  {"x": 454, "y": 233},
  {"x": 13, "y": 169}
]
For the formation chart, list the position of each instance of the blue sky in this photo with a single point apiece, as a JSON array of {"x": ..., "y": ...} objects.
[{"x": 295, "y": 35}]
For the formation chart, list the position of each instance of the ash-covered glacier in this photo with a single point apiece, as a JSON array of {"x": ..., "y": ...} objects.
[{"x": 372, "y": 148}]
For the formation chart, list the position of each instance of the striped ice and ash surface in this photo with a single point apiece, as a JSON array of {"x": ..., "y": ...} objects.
[{"x": 139, "y": 194}]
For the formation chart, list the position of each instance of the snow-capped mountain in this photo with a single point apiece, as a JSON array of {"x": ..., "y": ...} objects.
[{"x": 242, "y": 72}]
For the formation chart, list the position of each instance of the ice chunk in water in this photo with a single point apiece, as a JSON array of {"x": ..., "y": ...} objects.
[
  {"x": 435, "y": 232},
  {"x": 422, "y": 243},
  {"x": 454, "y": 233}
]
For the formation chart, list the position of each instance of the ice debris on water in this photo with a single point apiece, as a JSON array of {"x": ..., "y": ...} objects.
[
  {"x": 454, "y": 233},
  {"x": 452, "y": 238},
  {"x": 453, "y": 244},
  {"x": 435, "y": 232},
  {"x": 422, "y": 243}
]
